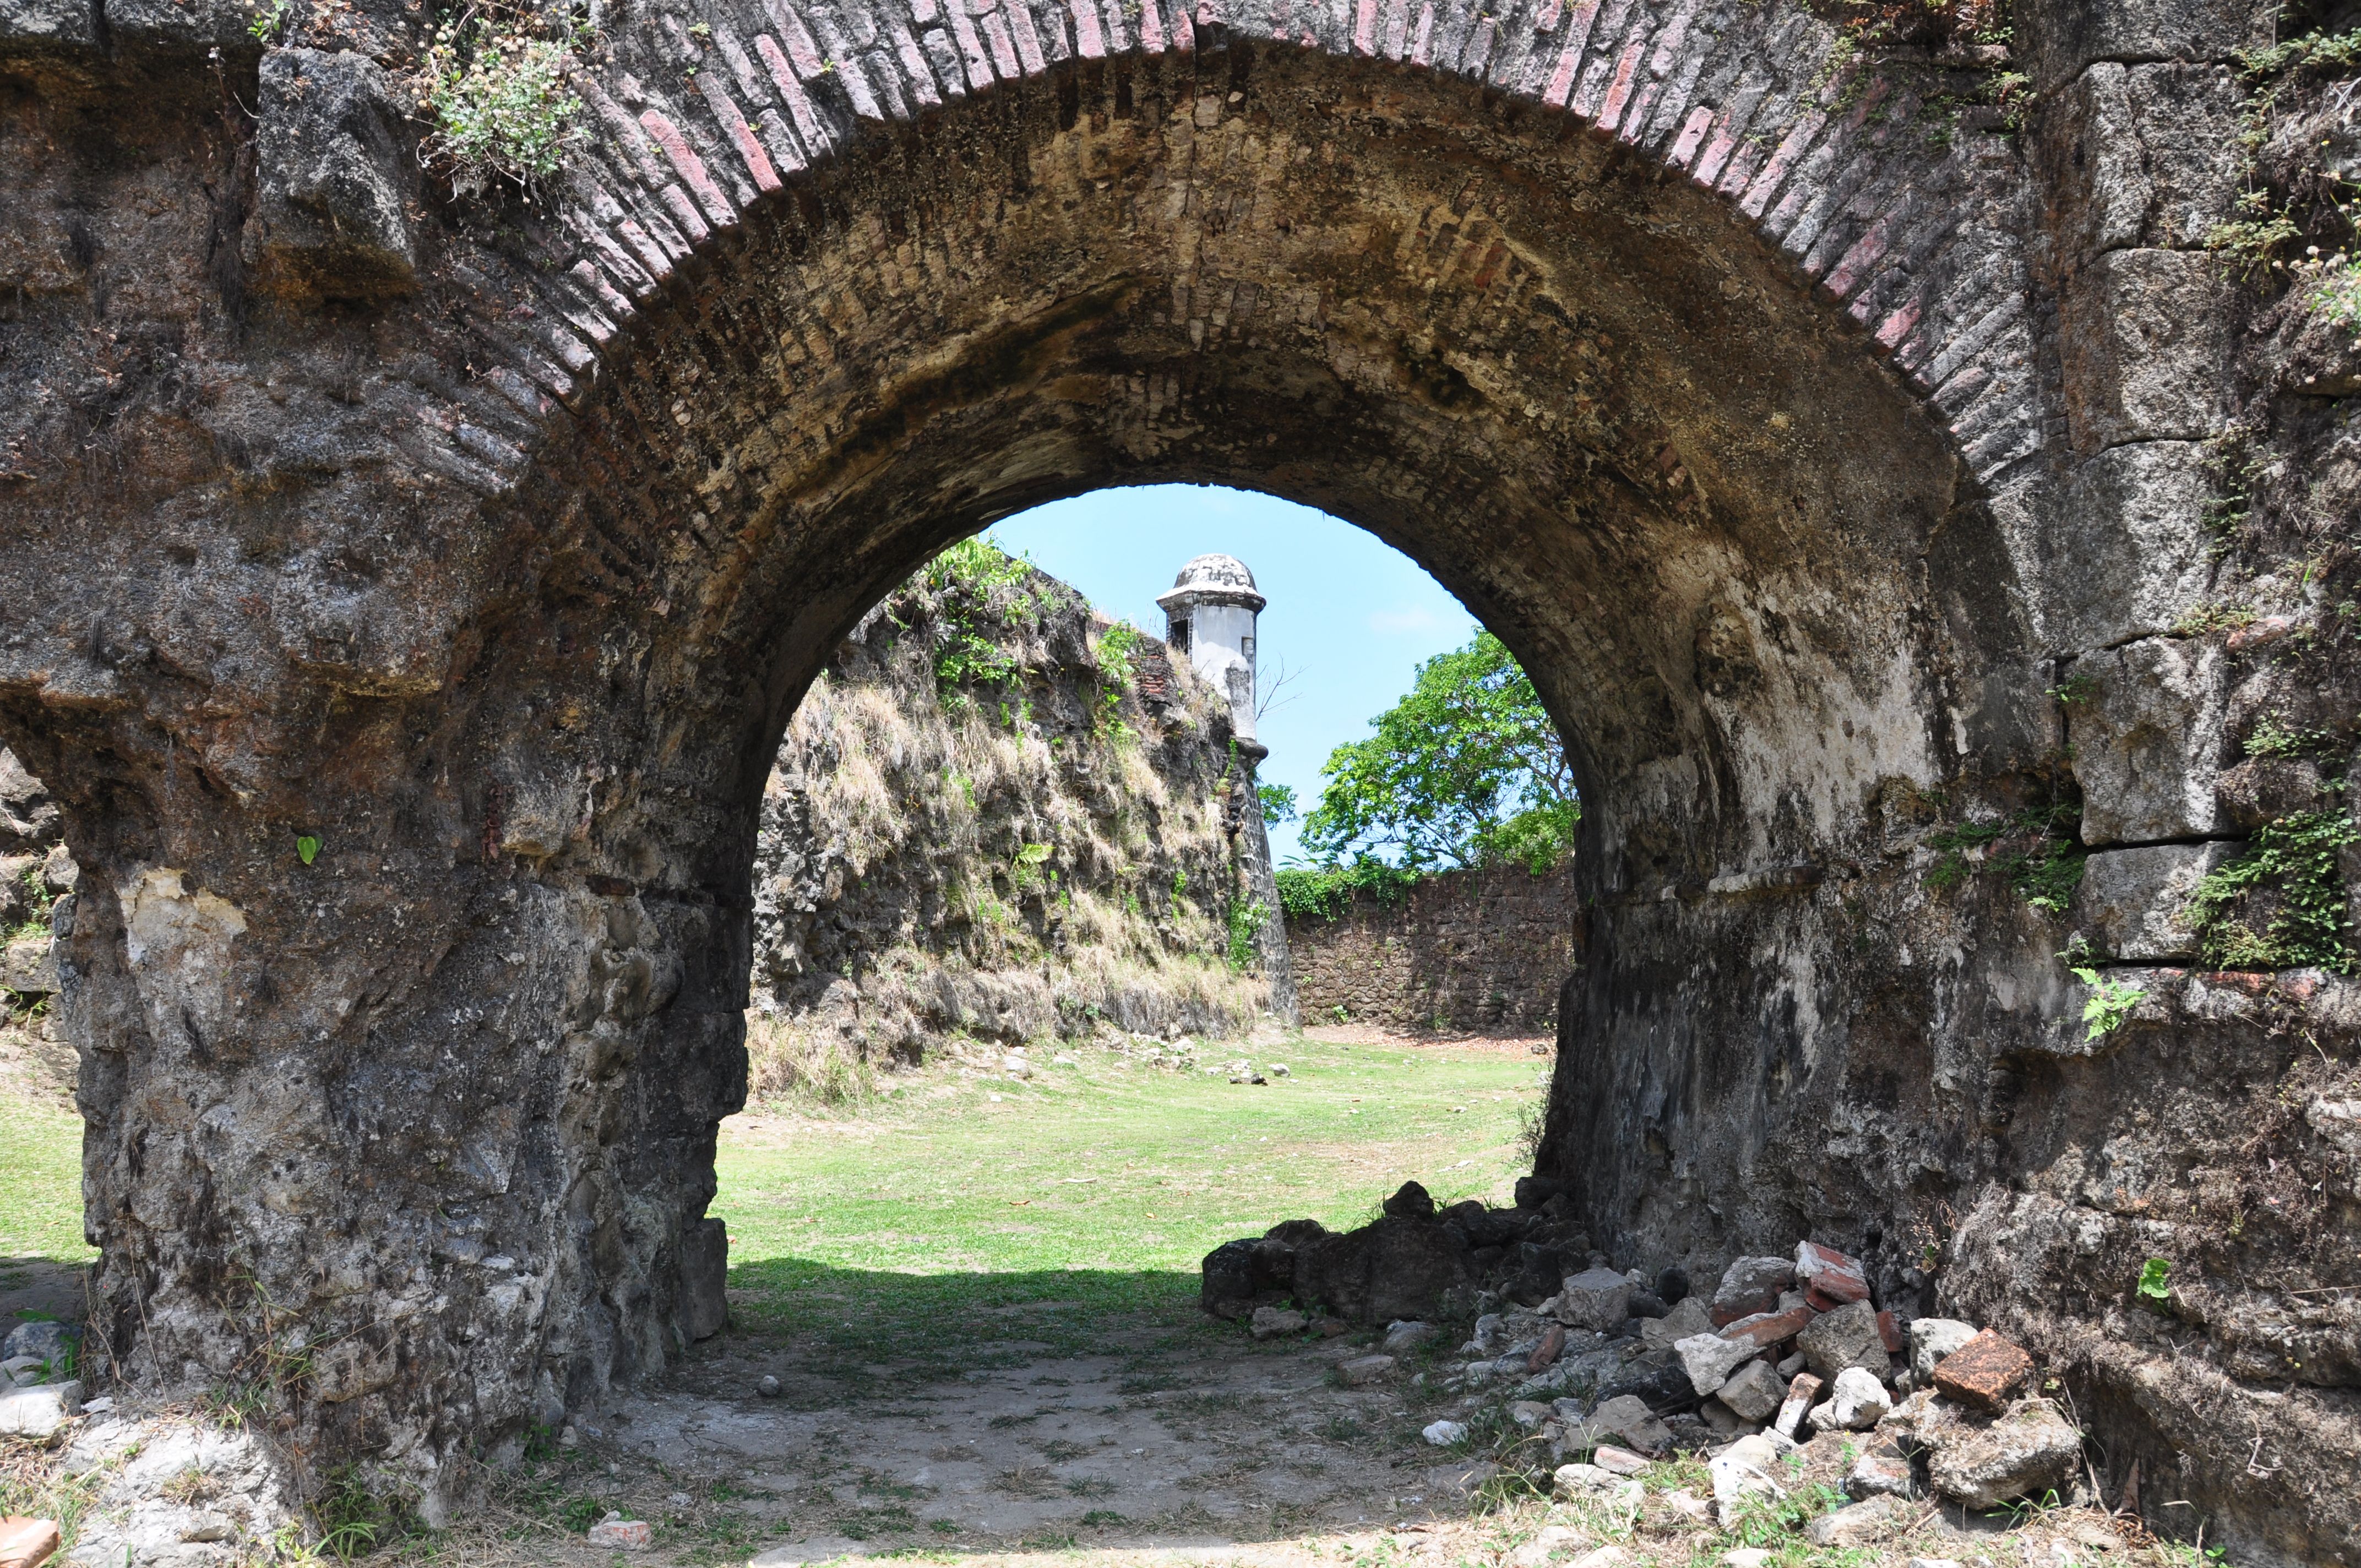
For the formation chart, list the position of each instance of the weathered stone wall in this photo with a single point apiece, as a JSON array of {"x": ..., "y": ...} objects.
[
  {"x": 1802, "y": 429},
  {"x": 988, "y": 819},
  {"x": 1483, "y": 951}
]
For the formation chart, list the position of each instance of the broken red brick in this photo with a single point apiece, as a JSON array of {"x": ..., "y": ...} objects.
[
  {"x": 1547, "y": 1351},
  {"x": 1767, "y": 1329},
  {"x": 1829, "y": 1279},
  {"x": 1984, "y": 1373},
  {"x": 1891, "y": 1332},
  {"x": 1800, "y": 1395}
]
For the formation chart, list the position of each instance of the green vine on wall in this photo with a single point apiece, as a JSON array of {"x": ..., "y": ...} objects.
[
  {"x": 2045, "y": 874},
  {"x": 2296, "y": 859}
]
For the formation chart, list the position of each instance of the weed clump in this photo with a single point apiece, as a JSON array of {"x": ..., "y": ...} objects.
[{"x": 496, "y": 95}]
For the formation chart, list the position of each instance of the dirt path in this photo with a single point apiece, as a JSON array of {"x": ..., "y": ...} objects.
[{"x": 1139, "y": 1447}]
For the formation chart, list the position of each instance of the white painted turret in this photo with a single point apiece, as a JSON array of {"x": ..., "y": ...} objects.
[{"x": 1210, "y": 616}]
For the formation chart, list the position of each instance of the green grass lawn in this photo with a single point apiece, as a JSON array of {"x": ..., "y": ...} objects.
[
  {"x": 40, "y": 1182},
  {"x": 1086, "y": 1190},
  {"x": 1089, "y": 1190}
]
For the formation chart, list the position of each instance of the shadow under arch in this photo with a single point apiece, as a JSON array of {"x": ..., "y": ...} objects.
[{"x": 1747, "y": 566}]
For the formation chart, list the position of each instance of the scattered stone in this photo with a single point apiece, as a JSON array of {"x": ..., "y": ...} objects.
[
  {"x": 1363, "y": 1370},
  {"x": 1442, "y": 1434},
  {"x": 1597, "y": 1298},
  {"x": 1764, "y": 1330},
  {"x": 1710, "y": 1359},
  {"x": 1064, "y": 1061},
  {"x": 1741, "y": 1470},
  {"x": 569, "y": 1437},
  {"x": 1618, "y": 1461},
  {"x": 1547, "y": 1351},
  {"x": 1746, "y": 1557},
  {"x": 2029, "y": 1451},
  {"x": 1545, "y": 1540},
  {"x": 622, "y": 1534},
  {"x": 1860, "y": 1399},
  {"x": 1401, "y": 1338},
  {"x": 1829, "y": 1279},
  {"x": 39, "y": 1412},
  {"x": 1984, "y": 1373},
  {"x": 1750, "y": 1285},
  {"x": 1689, "y": 1316},
  {"x": 1800, "y": 1395},
  {"x": 1329, "y": 1328},
  {"x": 1794, "y": 1364},
  {"x": 1270, "y": 1322},
  {"x": 1889, "y": 1329},
  {"x": 1855, "y": 1525},
  {"x": 1718, "y": 1420},
  {"x": 26, "y": 1542},
  {"x": 1605, "y": 1557},
  {"x": 679, "y": 1501},
  {"x": 1571, "y": 1479},
  {"x": 1529, "y": 1414},
  {"x": 1936, "y": 1562},
  {"x": 1409, "y": 1200},
  {"x": 1879, "y": 1476},
  {"x": 1932, "y": 1339},
  {"x": 1845, "y": 1337},
  {"x": 50, "y": 1341},
  {"x": 1686, "y": 1506},
  {"x": 1627, "y": 1415},
  {"x": 1754, "y": 1393},
  {"x": 769, "y": 1387}
]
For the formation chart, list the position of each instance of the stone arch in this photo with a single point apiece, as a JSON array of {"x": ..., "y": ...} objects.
[{"x": 1710, "y": 367}]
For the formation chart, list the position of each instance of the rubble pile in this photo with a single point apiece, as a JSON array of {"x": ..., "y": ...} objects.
[{"x": 1611, "y": 1370}]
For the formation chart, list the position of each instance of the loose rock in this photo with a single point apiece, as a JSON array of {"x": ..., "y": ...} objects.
[
  {"x": 1752, "y": 1285},
  {"x": 1689, "y": 1316},
  {"x": 1879, "y": 1476},
  {"x": 1597, "y": 1298},
  {"x": 26, "y": 1542},
  {"x": 1829, "y": 1277},
  {"x": 1741, "y": 1470},
  {"x": 1798, "y": 1403},
  {"x": 1442, "y": 1434},
  {"x": 1401, "y": 1338},
  {"x": 50, "y": 1341},
  {"x": 1754, "y": 1393},
  {"x": 1983, "y": 1374},
  {"x": 622, "y": 1534},
  {"x": 1270, "y": 1322},
  {"x": 1846, "y": 1337},
  {"x": 1572, "y": 1479},
  {"x": 1363, "y": 1370},
  {"x": 1932, "y": 1339},
  {"x": 1860, "y": 1399},
  {"x": 1618, "y": 1461},
  {"x": 2031, "y": 1450},
  {"x": 768, "y": 1387},
  {"x": 1857, "y": 1524},
  {"x": 39, "y": 1412},
  {"x": 1710, "y": 1359}
]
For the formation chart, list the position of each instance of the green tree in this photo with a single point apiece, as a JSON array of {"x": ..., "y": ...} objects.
[
  {"x": 1278, "y": 802},
  {"x": 1467, "y": 770}
]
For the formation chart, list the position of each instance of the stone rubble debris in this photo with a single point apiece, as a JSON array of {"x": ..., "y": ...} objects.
[
  {"x": 26, "y": 1542},
  {"x": 1615, "y": 1369},
  {"x": 622, "y": 1534}
]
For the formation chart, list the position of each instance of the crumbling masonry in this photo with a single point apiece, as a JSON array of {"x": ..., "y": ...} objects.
[{"x": 1803, "y": 428}]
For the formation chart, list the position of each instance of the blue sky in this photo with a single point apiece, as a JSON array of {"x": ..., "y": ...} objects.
[{"x": 1350, "y": 616}]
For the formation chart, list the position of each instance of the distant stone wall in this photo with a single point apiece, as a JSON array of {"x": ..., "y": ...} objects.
[{"x": 1481, "y": 951}]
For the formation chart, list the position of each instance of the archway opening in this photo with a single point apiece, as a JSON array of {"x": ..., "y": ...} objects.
[{"x": 1744, "y": 565}]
